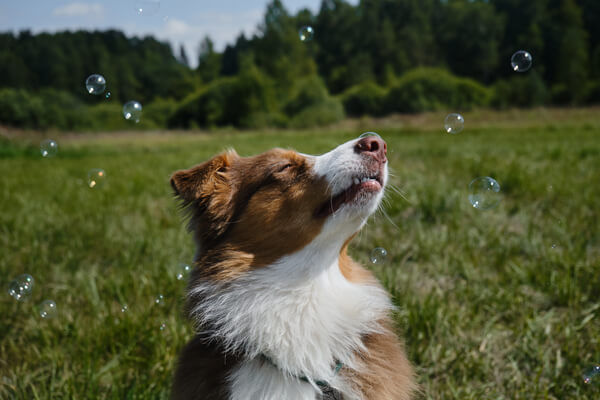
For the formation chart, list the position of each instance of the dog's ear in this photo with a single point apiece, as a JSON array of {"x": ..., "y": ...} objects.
[{"x": 207, "y": 191}]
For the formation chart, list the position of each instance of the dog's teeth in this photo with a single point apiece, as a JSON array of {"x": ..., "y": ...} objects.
[{"x": 356, "y": 181}]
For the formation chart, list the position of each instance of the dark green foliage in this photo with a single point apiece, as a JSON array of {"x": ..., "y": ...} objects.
[
  {"x": 365, "y": 54},
  {"x": 425, "y": 89},
  {"x": 236, "y": 101},
  {"x": 326, "y": 112},
  {"x": 312, "y": 105},
  {"x": 48, "y": 109},
  {"x": 367, "y": 98},
  {"x": 520, "y": 91},
  {"x": 140, "y": 68}
]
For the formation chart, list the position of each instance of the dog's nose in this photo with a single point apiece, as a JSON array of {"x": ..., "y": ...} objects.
[{"x": 374, "y": 146}]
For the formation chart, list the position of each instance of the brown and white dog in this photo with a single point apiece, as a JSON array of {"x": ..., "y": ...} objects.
[{"x": 281, "y": 311}]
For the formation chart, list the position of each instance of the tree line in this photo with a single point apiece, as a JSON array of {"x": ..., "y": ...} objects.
[{"x": 373, "y": 58}]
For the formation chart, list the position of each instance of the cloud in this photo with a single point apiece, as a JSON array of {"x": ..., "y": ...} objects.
[
  {"x": 79, "y": 10},
  {"x": 223, "y": 29}
]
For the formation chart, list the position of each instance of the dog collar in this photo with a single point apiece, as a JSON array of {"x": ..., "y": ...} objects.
[{"x": 320, "y": 383}]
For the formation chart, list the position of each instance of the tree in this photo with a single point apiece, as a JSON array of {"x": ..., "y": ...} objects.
[
  {"x": 183, "y": 58},
  {"x": 209, "y": 62}
]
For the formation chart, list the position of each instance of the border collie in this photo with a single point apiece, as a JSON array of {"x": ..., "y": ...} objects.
[{"x": 281, "y": 311}]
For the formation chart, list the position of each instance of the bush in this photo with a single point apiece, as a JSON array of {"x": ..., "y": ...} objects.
[
  {"x": 20, "y": 108},
  {"x": 592, "y": 92},
  {"x": 368, "y": 98},
  {"x": 241, "y": 101},
  {"x": 520, "y": 91},
  {"x": 311, "y": 105},
  {"x": 428, "y": 89},
  {"x": 47, "y": 109},
  {"x": 307, "y": 93},
  {"x": 323, "y": 113}
]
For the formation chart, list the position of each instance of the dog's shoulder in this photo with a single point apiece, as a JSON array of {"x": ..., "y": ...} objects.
[{"x": 202, "y": 371}]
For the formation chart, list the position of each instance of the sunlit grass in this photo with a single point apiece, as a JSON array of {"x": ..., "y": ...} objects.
[{"x": 496, "y": 304}]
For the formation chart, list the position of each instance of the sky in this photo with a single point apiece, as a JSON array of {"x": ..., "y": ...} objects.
[{"x": 178, "y": 21}]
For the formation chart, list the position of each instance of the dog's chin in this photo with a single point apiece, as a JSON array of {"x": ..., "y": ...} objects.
[
  {"x": 363, "y": 204},
  {"x": 351, "y": 215}
]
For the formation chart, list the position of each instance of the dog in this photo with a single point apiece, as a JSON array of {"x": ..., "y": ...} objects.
[{"x": 281, "y": 312}]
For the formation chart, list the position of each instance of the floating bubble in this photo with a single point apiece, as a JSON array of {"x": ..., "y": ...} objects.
[
  {"x": 132, "y": 111},
  {"x": 95, "y": 84},
  {"x": 20, "y": 288},
  {"x": 146, "y": 7},
  {"x": 107, "y": 96},
  {"x": 306, "y": 33},
  {"x": 124, "y": 308},
  {"x": 159, "y": 300},
  {"x": 521, "y": 61},
  {"x": 47, "y": 309},
  {"x": 96, "y": 178},
  {"x": 454, "y": 123},
  {"x": 378, "y": 255},
  {"x": 48, "y": 148},
  {"x": 366, "y": 134},
  {"x": 182, "y": 271},
  {"x": 484, "y": 193},
  {"x": 592, "y": 374},
  {"x": 162, "y": 326}
]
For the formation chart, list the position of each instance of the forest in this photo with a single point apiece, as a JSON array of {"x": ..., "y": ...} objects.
[{"x": 374, "y": 58}]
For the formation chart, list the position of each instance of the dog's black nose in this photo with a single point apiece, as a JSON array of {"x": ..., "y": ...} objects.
[{"x": 374, "y": 146}]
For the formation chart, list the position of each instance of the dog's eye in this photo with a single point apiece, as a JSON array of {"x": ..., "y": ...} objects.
[{"x": 284, "y": 167}]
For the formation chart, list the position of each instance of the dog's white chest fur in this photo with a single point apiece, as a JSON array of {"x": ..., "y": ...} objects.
[{"x": 300, "y": 312}]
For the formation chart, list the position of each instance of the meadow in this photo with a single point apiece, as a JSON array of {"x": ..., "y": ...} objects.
[{"x": 495, "y": 304}]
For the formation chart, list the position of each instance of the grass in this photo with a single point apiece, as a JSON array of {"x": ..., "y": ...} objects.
[{"x": 496, "y": 304}]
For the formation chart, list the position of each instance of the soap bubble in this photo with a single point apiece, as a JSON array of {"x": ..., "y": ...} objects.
[
  {"x": 521, "y": 61},
  {"x": 182, "y": 271},
  {"x": 124, "y": 308},
  {"x": 159, "y": 300},
  {"x": 306, "y": 33},
  {"x": 592, "y": 374},
  {"x": 162, "y": 326},
  {"x": 378, "y": 255},
  {"x": 132, "y": 111},
  {"x": 48, "y": 148},
  {"x": 484, "y": 193},
  {"x": 107, "y": 96},
  {"x": 146, "y": 7},
  {"x": 96, "y": 178},
  {"x": 20, "y": 288},
  {"x": 47, "y": 309},
  {"x": 366, "y": 134},
  {"x": 454, "y": 123},
  {"x": 95, "y": 84}
]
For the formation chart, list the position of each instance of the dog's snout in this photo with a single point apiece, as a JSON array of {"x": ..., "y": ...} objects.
[{"x": 372, "y": 145}]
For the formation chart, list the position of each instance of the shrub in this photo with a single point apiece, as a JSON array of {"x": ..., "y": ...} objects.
[
  {"x": 47, "y": 109},
  {"x": 238, "y": 101},
  {"x": 323, "y": 113},
  {"x": 311, "y": 105},
  {"x": 592, "y": 92},
  {"x": 428, "y": 89},
  {"x": 520, "y": 91},
  {"x": 366, "y": 98}
]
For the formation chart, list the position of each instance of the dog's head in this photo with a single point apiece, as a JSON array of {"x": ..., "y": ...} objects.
[{"x": 275, "y": 203}]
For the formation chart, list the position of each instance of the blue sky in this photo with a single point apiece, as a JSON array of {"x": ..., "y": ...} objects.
[{"x": 179, "y": 21}]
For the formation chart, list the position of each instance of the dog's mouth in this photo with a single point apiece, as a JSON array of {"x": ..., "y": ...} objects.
[{"x": 366, "y": 184}]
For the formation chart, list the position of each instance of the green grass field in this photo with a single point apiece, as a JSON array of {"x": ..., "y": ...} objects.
[{"x": 496, "y": 304}]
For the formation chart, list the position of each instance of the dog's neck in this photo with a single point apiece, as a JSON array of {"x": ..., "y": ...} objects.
[{"x": 301, "y": 311}]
